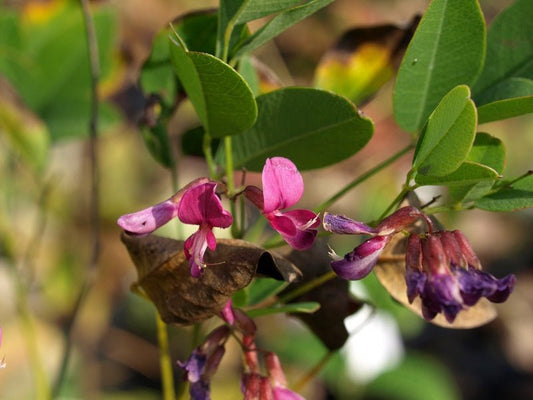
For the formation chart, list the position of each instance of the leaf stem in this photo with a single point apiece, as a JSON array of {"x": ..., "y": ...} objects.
[
  {"x": 208, "y": 156},
  {"x": 313, "y": 283},
  {"x": 298, "y": 386},
  {"x": 165, "y": 362},
  {"x": 362, "y": 178}
]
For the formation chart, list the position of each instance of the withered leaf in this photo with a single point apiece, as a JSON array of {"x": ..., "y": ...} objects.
[
  {"x": 164, "y": 274},
  {"x": 390, "y": 271},
  {"x": 336, "y": 303}
]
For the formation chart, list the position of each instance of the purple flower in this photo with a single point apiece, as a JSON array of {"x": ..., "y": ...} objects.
[
  {"x": 201, "y": 206},
  {"x": 359, "y": 263},
  {"x": 282, "y": 188},
  {"x": 277, "y": 379},
  {"x": 203, "y": 363},
  {"x": 444, "y": 271}
]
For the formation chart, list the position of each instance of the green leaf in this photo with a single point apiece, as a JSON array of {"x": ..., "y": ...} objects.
[
  {"x": 313, "y": 128},
  {"x": 263, "y": 288},
  {"x": 467, "y": 173},
  {"x": 447, "y": 50},
  {"x": 156, "y": 140},
  {"x": 509, "y": 49},
  {"x": 222, "y": 99},
  {"x": 448, "y": 135},
  {"x": 255, "y": 9},
  {"x": 489, "y": 151},
  {"x": 509, "y": 197},
  {"x": 510, "y": 98},
  {"x": 308, "y": 307},
  {"x": 279, "y": 23}
]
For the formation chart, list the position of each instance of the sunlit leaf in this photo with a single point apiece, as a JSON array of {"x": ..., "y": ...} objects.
[
  {"x": 221, "y": 97},
  {"x": 448, "y": 135},
  {"x": 363, "y": 60},
  {"x": 263, "y": 288},
  {"x": 447, "y": 50},
  {"x": 313, "y": 128},
  {"x": 306, "y": 308},
  {"x": 467, "y": 173}
]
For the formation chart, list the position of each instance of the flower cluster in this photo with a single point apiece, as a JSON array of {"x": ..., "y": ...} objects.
[
  {"x": 205, "y": 359},
  {"x": 199, "y": 204},
  {"x": 441, "y": 267}
]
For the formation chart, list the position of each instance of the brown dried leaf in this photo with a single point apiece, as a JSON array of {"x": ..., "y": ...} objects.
[
  {"x": 164, "y": 275},
  {"x": 390, "y": 271}
]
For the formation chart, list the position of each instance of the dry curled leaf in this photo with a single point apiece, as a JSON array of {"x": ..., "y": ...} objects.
[
  {"x": 390, "y": 271},
  {"x": 164, "y": 275}
]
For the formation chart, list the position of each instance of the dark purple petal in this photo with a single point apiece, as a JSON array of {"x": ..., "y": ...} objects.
[
  {"x": 358, "y": 264},
  {"x": 346, "y": 226},
  {"x": 194, "y": 366},
  {"x": 475, "y": 284},
  {"x": 282, "y": 184},
  {"x": 416, "y": 282},
  {"x": 199, "y": 390},
  {"x": 441, "y": 294},
  {"x": 452, "y": 249},
  {"x": 200, "y": 205}
]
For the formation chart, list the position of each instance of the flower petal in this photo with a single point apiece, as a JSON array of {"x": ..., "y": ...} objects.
[
  {"x": 346, "y": 226},
  {"x": 358, "y": 264},
  {"x": 298, "y": 227},
  {"x": 281, "y": 393},
  {"x": 200, "y": 205},
  {"x": 282, "y": 184},
  {"x": 148, "y": 220}
]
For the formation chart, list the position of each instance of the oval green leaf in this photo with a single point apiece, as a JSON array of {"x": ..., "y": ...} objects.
[
  {"x": 222, "y": 99},
  {"x": 509, "y": 98},
  {"x": 308, "y": 307},
  {"x": 509, "y": 49},
  {"x": 467, "y": 173},
  {"x": 448, "y": 135},
  {"x": 509, "y": 198},
  {"x": 313, "y": 128},
  {"x": 446, "y": 50}
]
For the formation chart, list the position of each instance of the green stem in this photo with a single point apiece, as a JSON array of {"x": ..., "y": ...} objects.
[
  {"x": 165, "y": 361},
  {"x": 313, "y": 283},
  {"x": 398, "y": 199},
  {"x": 298, "y": 386},
  {"x": 362, "y": 178},
  {"x": 208, "y": 156}
]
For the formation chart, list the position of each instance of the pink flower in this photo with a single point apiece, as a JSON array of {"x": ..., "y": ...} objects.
[
  {"x": 201, "y": 206},
  {"x": 196, "y": 204},
  {"x": 282, "y": 188}
]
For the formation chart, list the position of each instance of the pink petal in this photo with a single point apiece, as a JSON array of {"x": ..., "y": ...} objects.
[
  {"x": 281, "y": 393},
  {"x": 200, "y": 205},
  {"x": 282, "y": 184},
  {"x": 148, "y": 220},
  {"x": 298, "y": 227},
  {"x": 227, "y": 313}
]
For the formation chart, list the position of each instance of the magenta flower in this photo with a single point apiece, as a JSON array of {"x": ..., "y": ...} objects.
[
  {"x": 282, "y": 188},
  {"x": 148, "y": 220},
  {"x": 196, "y": 204},
  {"x": 277, "y": 379},
  {"x": 201, "y": 206},
  {"x": 359, "y": 263}
]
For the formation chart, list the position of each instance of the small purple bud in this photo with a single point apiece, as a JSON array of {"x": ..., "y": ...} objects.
[
  {"x": 466, "y": 250},
  {"x": 212, "y": 363},
  {"x": 415, "y": 278},
  {"x": 452, "y": 249},
  {"x": 148, "y": 220},
  {"x": 346, "y": 226},
  {"x": 358, "y": 264}
]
